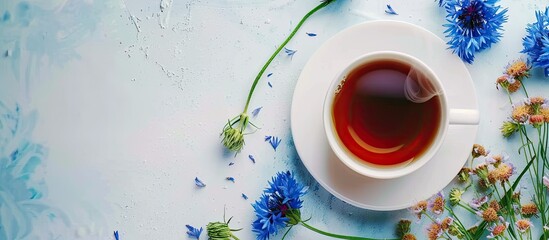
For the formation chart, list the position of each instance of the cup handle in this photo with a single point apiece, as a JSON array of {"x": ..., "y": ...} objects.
[{"x": 464, "y": 117}]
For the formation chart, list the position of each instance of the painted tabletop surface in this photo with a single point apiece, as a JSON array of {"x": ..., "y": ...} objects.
[{"x": 112, "y": 108}]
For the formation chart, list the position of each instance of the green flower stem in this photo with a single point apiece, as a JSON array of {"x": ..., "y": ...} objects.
[
  {"x": 467, "y": 207},
  {"x": 460, "y": 225},
  {"x": 254, "y": 84},
  {"x": 336, "y": 235}
]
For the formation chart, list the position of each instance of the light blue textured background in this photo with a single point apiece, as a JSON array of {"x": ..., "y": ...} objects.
[{"x": 110, "y": 109}]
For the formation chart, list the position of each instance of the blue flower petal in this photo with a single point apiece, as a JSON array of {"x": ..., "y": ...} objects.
[
  {"x": 269, "y": 75},
  {"x": 310, "y": 34},
  {"x": 244, "y": 196},
  {"x": 198, "y": 182},
  {"x": 231, "y": 163},
  {"x": 116, "y": 237},
  {"x": 441, "y": 3},
  {"x": 274, "y": 141},
  {"x": 256, "y": 111},
  {"x": 390, "y": 10},
  {"x": 230, "y": 179},
  {"x": 251, "y": 158},
  {"x": 270, "y": 85},
  {"x": 193, "y": 232},
  {"x": 289, "y": 52}
]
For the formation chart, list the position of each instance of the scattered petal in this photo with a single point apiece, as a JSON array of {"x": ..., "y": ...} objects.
[
  {"x": 230, "y": 179},
  {"x": 269, "y": 75},
  {"x": 290, "y": 52},
  {"x": 194, "y": 232},
  {"x": 198, "y": 182},
  {"x": 231, "y": 163},
  {"x": 251, "y": 158},
  {"x": 311, "y": 34},
  {"x": 274, "y": 141},
  {"x": 270, "y": 85},
  {"x": 244, "y": 196},
  {"x": 116, "y": 237},
  {"x": 390, "y": 10},
  {"x": 256, "y": 111}
]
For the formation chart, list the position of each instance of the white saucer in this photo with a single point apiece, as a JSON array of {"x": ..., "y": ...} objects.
[{"x": 308, "y": 130}]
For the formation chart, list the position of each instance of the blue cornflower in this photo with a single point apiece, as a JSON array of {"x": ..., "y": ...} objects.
[
  {"x": 473, "y": 25},
  {"x": 193, "y": 232},
  {"x": 278, "y": 206},
  {"x": 536, "y": 42}
]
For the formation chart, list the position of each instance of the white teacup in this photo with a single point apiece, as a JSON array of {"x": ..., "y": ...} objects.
[{"x": 447, "y": 117}]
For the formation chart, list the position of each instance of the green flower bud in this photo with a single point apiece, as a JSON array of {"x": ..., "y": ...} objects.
[
  {"x": 233, "y": 138},
  {"x": 403, "y": 227},
  {"x": 455, "y": 196},
  {"x": 220, "y": 231},
  {"x": 508, "y": 128},
  {"x": 294, "y": 216},
  {"x": 454, "y": 231},
  {"x": 464, "y": 174}
]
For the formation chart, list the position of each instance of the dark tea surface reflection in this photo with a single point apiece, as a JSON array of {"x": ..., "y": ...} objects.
[{"x": 386, "y": 112}]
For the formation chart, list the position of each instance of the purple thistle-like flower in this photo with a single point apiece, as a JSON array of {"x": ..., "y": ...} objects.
[
  {"x": 473, "y": 25},
  {"x": 282, "y": 196},
  {"x": 536, "y": 41},
  {"x": 436, "y": 203},
  {"x": 476, "y": 203}
]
